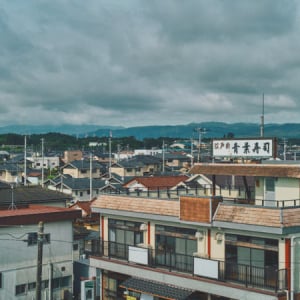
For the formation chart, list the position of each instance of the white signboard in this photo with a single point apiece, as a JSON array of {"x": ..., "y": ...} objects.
[
  {"x": 243, "y": 148},
  {"x": 205, "y": 267},
  {"x": 138, "y": 255}
]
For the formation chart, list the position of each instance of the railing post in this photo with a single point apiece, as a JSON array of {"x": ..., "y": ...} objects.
[
  {"x": 277, "y": 280},
  {"x": 246, "y": 277}
]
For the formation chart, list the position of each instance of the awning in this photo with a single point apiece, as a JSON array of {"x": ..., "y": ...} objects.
[{"x": 157, "y": 289}]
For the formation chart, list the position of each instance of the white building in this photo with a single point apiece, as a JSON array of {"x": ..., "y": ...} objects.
[{"x": 19, "y": 249}]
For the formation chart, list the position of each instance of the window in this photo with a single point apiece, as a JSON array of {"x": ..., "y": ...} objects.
[
  {"x": 45, "y": 284},
  {"x": 175, "y": 246},
  {"x": 33, "y": 238},
  {"x": 55, "y": 283},
  {"x": 251, "y": 251},
  {"x": 61, "y": 282},
  {"x": 112, "y": 284},
  {"x": 81, "y": 193},
  {"x": 31, "y": 286},
  {"x": 0, "y": 280},
  {"x": 65, "y": 281},
  {"x": 20, "y": 289},
  {"x": 125, "y": 232}
]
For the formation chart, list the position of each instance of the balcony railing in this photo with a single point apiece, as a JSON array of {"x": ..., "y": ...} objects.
[{"x": 270, "y": 278}]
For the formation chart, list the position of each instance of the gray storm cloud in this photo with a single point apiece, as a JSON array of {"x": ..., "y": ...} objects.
[{"x": 148, "y": 62}]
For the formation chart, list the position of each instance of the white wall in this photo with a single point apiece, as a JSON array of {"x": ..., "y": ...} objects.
[{"x": 18, "y": 261}]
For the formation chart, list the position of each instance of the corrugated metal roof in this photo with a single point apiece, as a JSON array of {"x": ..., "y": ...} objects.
[
  {"x": 157, "y": 289},
  {"x": 36, "y": 213}
]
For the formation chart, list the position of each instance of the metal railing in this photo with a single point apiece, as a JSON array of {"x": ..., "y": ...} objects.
[
  {"x": 251, "y": 276},
  {"x": 270, "y": 278}
]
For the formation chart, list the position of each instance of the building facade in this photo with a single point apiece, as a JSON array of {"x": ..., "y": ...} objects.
[
  {"x": 19, "y": 252},
  {"x": 203, "y": 247}
]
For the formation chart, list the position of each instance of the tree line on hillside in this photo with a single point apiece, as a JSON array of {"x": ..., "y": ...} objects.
[{"x": 59, "y": 142}]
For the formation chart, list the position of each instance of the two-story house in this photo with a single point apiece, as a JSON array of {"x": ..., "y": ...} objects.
[
  {"x": 156, "y": 185},
  {"x": 83, "y": 169},
  {"x": 138, "y": 165},
  {"x": 10, "y": 172},
  {"x": 81, "y": 189}
]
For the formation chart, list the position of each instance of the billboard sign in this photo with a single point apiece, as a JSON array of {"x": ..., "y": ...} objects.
[{"x": 243, "y": 148}]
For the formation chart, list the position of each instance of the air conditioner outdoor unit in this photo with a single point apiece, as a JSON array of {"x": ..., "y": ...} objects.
[
  {"x": 219, "y": 236},
  {"x": 143, "y": 227},
  {"x": 199, "y": 235}
]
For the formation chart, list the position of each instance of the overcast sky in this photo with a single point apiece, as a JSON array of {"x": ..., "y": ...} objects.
[{"x": 158, "y": 62}]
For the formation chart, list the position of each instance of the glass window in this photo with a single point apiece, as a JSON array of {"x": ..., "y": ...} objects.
[
  {"x": 270, "y": 184},
  {"x": 125, "y": 232},
  {"x": 55, "y": 283},
  {"x": 112, "y": 284},
  {"x": 32, "y": 238},
  {"x": 20, "y": 289},
  {"x": 65, "y": 281},
  {"x": 31, "y": 286},
  {"x": 45, "y": 284}
]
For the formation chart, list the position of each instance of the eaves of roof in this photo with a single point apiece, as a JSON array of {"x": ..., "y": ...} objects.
[
  {"x": 34, "y": 214},
  {"x": 258, "y": 170}
]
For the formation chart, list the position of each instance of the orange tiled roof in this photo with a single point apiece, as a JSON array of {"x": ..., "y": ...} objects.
[
  {"x": 140, "y": 205},
  {"x": 261, "y": 216},
  {"x": 158, "y": 181},
  {"x": 275, "y": 170}
]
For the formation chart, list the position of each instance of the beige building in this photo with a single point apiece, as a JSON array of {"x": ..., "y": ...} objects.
[
  {"x": 71, "y": 155},
  {"x": 203, "y": 247}
]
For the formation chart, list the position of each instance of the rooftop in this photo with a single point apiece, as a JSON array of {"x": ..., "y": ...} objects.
[
  {"x": 268, "y": 170},
  {"x": 34, "y": 214}
]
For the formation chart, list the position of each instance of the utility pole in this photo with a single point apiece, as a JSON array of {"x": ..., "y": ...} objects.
[
  {"x": 42, "y": 162},
  {"x": 109, "y": 144},
  {"x": 262, "y": 118},
  {"x": 40, "y": 240},
  {"x": 163, "y": 157},
  {"x": 192, "y": 154},
  {"x": 25, "y": 161},
  {"x": 91, "y": 177}
]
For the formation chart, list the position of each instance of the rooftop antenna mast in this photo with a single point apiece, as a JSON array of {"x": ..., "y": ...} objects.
[{"x": 262, "y": 117}]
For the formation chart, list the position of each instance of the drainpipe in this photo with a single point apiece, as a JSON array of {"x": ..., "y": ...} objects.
[{"x": 293, "y": 242}]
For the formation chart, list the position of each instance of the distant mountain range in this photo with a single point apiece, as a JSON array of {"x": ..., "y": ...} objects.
[{"x": 211, "y": 130}]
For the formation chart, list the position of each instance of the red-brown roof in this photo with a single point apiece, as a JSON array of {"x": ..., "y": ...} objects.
[
  {"x": 158, "y": 181},
  {"x": 263, "y": 170},
  {"x": 37, "y": 213}
]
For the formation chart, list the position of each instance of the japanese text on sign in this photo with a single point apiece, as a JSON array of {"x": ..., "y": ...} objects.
[{"x": 243, "y": 148}]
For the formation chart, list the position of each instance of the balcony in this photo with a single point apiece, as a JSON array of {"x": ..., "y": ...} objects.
[{"x": 266, "y": 278}]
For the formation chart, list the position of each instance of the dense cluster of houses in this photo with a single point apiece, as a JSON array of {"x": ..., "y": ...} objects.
[{"x": 151, "y": 226}]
